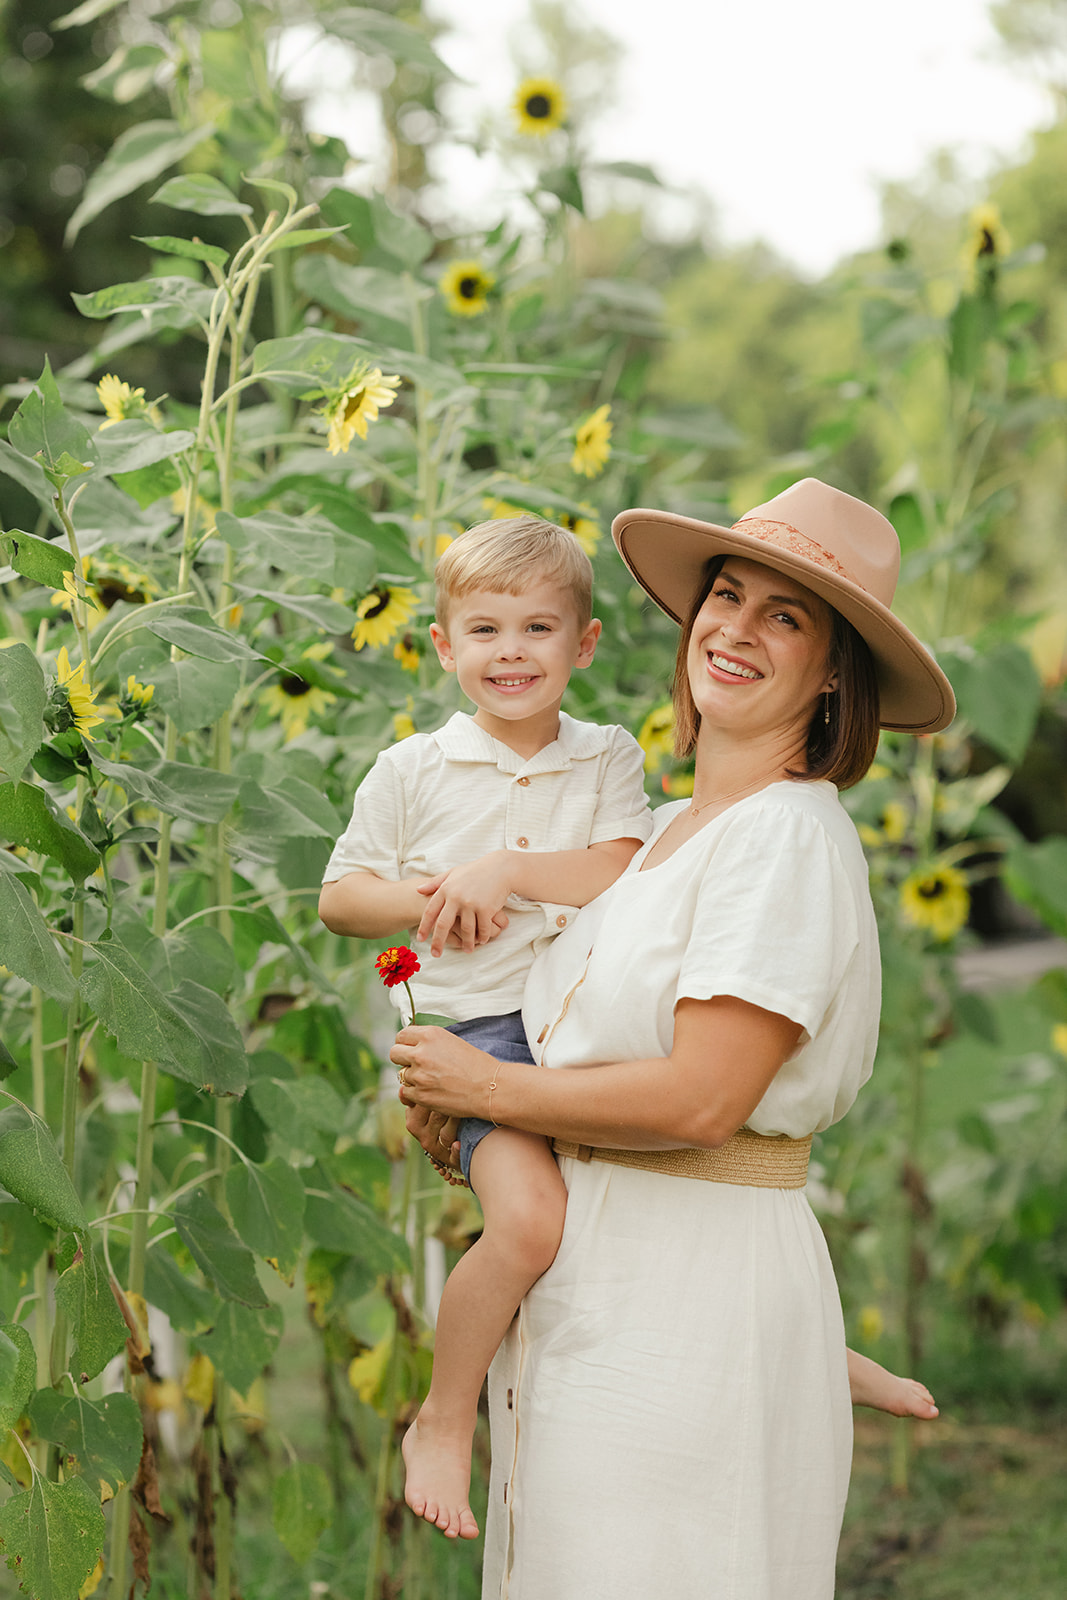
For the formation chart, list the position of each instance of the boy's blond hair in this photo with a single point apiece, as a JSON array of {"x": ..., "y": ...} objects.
[{"x": 508, "y": 555}]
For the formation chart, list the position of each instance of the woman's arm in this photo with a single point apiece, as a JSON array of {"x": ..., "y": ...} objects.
[{"x": 725, "y": 1055}]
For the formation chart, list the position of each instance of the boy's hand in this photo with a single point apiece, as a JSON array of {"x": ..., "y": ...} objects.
[{"x": 466, "y": 902}]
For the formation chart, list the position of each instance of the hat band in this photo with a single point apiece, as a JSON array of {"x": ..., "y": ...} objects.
[{"x": 786, "y": 537}]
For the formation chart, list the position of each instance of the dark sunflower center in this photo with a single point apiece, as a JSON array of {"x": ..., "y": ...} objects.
[
  {"x": 295, "y": 685},
  {"x": 379, "y": 605},
  {"x": 539, "y": 105},
  {"x": 988, "y": 245},
  {"x": 467, "y": 288},
  {"x": 932, "y": 888}
]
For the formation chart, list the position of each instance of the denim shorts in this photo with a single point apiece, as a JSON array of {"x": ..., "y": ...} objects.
[{"x": 505, "y": 1038}]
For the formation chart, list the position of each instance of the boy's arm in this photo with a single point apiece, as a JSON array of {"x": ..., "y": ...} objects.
[
  {"x": 464, "y": 900},
  {"x": 368, "y": 907}
]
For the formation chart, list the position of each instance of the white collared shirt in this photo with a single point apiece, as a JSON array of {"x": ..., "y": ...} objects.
[{"x": 436, "y": 800}]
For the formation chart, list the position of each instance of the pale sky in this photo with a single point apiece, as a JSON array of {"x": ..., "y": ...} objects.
[{"x": 786, "y": 115}]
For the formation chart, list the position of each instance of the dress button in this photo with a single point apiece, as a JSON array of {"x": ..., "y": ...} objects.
[
  {"x": 561, "y": 921},
  {"x": 522, "y": 843},
  {"x": 524, "y": 781}
]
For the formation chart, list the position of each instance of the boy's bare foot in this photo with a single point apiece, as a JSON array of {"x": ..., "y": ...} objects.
[
  {"x": 438, "y": 1481},
  {"x": 872, "y": 1385}
]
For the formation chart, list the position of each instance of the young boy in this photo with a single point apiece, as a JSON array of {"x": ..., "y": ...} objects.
[{"x": 488, "y": 835}]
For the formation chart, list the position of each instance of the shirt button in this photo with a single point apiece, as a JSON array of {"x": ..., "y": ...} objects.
[
  {"x": 523, "y": 844},
  {"x": 524, "y": 781},
  {"x": 561, "y": 922}
]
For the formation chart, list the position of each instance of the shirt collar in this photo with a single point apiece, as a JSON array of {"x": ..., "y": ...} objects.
[{"x": 461, "y": 739}]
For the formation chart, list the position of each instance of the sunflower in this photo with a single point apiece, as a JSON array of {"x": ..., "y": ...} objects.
[
  {"x": 403, "y": 725},
  {"x": 381, "y": 614},
  {"x": 119, "y": 400},
  {"x": 936, "y": 898},
  {"x": 591, "y": 443},
  {"x": 584, "y": 526},
  {"x": 657, "y": 736},
  {"x": 502, "y": 508},
  {"x": 987, "y": 242},
  {"x": 539, "y": 106},
  {"x": 138, "y": 696},
  {"x": 79, "y": 698},
  {"x": 892, "y": 826},
  {"x": 441, "y": 544},
  {"x": 351, "y": 410},
  {"x": 465, "y": 286},
  {"x": 1059, "y": 1038},
  {"x": 294, "y": 702},
  {"x": 872, "y": 1324},
  {"x": 404, "y": 651}
]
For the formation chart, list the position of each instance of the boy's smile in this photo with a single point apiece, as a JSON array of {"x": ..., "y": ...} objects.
[{"x": 513, "y": 655}]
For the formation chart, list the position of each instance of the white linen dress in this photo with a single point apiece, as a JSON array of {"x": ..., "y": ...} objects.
[{"x": 670, "y": 1410}]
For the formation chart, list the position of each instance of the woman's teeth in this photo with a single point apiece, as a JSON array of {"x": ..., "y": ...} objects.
[{"x": 733, "y": 667}]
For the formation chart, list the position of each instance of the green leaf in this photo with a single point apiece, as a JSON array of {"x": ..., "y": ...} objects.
[
  {"x": 566, "y": 184},
  {"x": 299, "y": 236},
  {"x": 329, "y": 615},
  {"x": 188, "y": 1306},
  {"x": 970, "y": 326},
  {"x": 216, "y": 1249},
  {"x": 200, "y": 192},
  {"x": 309, "y": 363},
  {"x": 402, "y": 237},
  {"x": 286, "y": 809},
  {"x": 32, "y": 1170},
  {"x": 30, "y": 817},
  {"x": 224, "y": 1064},
  {"x": 1036, "y": 874},
  {"x": 104, "y": 1435},
  {"x": 197, "y": 953},
  {"x": 52, "y": 1535},
  {"x": 24, "y": 1238},
  {"x": 30, "y": 476},
  {"x": 198, "y": 794},
  {"x": 999, "y": 693},
  {"x": 18, "y": 1373},
  {"x": 127, "y": 73},
  {"x": 8, "y": 1064},
  {"x": 87, "y": 12},
  {"x": 44, "y": 429},
  {"x": 302, "y": 1508},
  {"x": 906, "y": 515},
  {"x": 267, "y": 1207},
  {"x": 137, "y": 156},
  {"x": 355, "y": 291},
  {"x": 377, "y": 33},
  {"x": 298, "y": 1110},
  {"x": 336, "y": 1220},
  {"x": 242, "y": 1342},
  {"x": 150, "y": 484},
  {"x": 28, "y": 946},
  {"x": 188, "y": 300},
  {"x": 192, "y": 630},
  {"x": 294, "y": 544},
  {"x": 23, "y": 697},
  {"x": 84, "y": 1293},
  {"x": 131, "y": 445},
  {"x": 194, "y": 693},
  {"x": 634, "y": 170},
  {"x": 37, "y": 559},
  {"x": 191, "y": 249}
]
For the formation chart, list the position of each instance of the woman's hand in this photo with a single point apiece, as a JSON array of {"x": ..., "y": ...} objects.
[
  {"x": 442, "y": 1073},
  {"x": 437, "y": 1135}
]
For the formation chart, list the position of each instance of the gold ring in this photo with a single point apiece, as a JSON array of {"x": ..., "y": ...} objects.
[
  {"x": 400, "y": 1076},
  {"x": 443, "y": 1143}
]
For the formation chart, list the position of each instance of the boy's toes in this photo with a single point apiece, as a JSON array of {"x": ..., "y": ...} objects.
[{"x": 468, "y": 1526}]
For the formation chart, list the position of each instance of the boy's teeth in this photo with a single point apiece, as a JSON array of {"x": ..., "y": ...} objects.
[{"x": 732, "y": 666}]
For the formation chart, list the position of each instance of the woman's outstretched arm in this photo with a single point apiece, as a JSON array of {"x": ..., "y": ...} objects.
[{"x": 725, "y": 1054}]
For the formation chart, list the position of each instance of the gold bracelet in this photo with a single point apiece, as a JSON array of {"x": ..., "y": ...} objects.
[{"x": 492, "y": 1119}]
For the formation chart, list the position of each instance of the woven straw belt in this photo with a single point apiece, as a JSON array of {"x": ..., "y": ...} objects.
[{"x": 746, "y": 1158}]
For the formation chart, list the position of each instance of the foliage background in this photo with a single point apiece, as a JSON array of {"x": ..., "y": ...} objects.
[{"x": 218, "y": 1261}]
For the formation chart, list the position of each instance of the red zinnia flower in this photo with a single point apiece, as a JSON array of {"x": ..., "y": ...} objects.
[{"x": 397, "y": 965}]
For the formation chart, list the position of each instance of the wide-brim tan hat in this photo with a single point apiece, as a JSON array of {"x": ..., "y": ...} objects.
[{"x": 837, "y": 546}]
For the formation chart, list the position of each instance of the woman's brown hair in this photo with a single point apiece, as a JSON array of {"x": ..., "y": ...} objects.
[{"x": 840, "y": 750}]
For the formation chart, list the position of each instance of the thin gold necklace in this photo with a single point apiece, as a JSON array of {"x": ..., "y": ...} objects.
[{"x": 721, "y": 799}]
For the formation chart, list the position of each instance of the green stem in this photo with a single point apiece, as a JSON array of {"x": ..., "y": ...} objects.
[
  {"x": 42, "y": 1322},
  {"x": 425, "y": 475}
]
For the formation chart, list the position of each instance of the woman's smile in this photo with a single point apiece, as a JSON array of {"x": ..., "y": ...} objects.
[{"x": 732, "y": 666}]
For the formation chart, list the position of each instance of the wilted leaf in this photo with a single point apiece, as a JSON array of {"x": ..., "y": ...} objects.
[
  {"x": 22, "y": 701},
  {"x": 216, "y": 1249},
  {"x": 105, "y": 1435},
  {"x": 28, "y": 946},
  {"x": 52, "y": 1535},
  {"x": 303, "y": 1508},
  {"x": 242, "y": 1342},
  {"x": 32, "y": 1170},
  {"x": 84, "y": 1293}
]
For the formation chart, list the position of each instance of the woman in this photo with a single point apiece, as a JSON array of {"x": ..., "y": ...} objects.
[{"x": 671, "y": 1410}]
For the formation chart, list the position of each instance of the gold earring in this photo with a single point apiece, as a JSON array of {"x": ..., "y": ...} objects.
[{"x": 826, "y": 709}]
